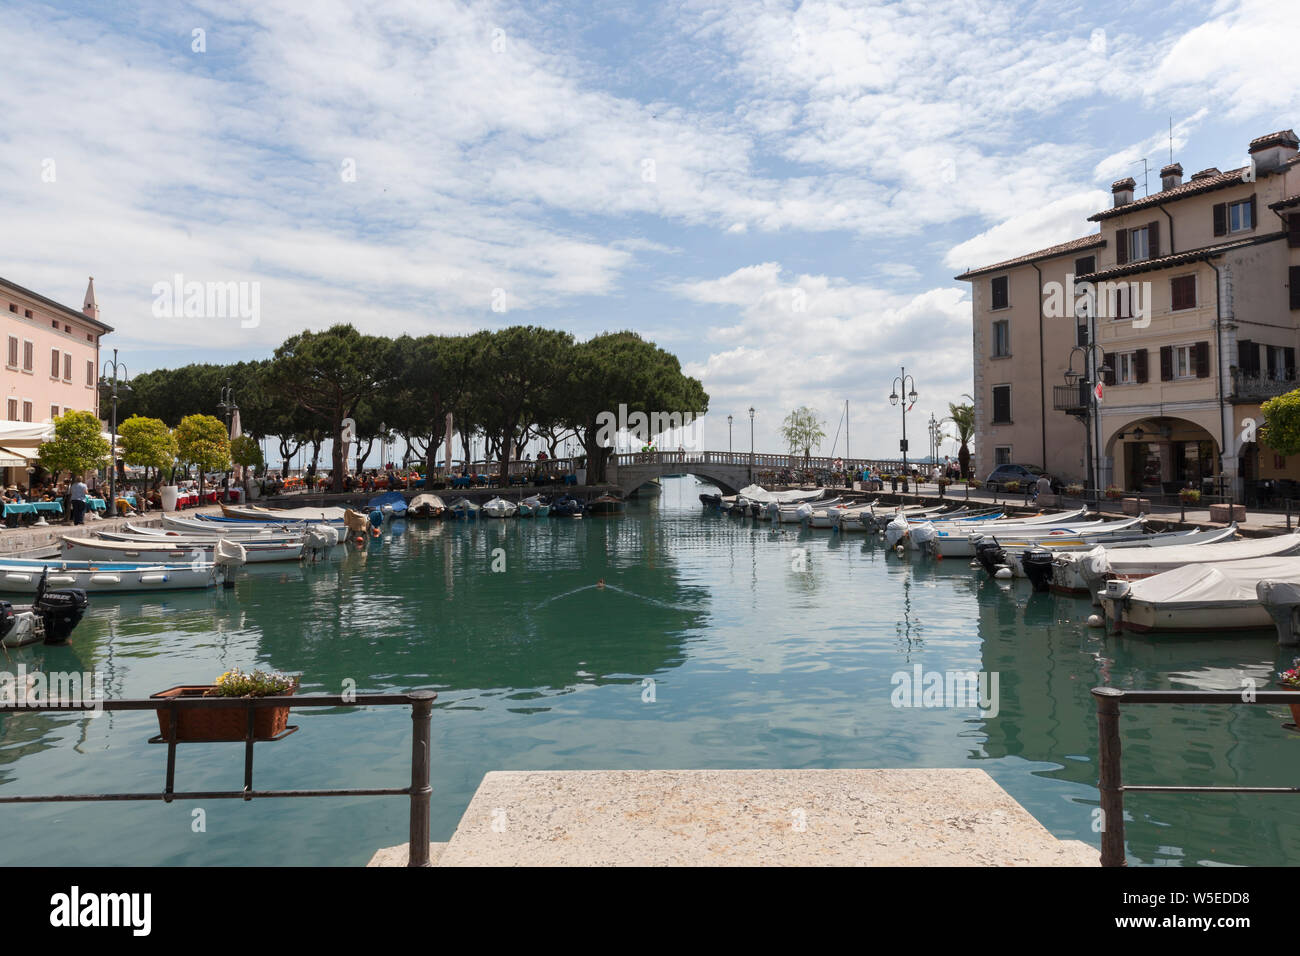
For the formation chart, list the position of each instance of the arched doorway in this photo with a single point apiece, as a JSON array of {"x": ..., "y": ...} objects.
[{"x": 1162, "y": 454}]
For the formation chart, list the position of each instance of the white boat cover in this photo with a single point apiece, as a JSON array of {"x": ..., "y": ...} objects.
[
  {"x": 1221, "y": 585},
  {"x": 1102, "y": 562},
  {"x": 257, "y": 513},
  {"x": 763, "y": 496},
  {"x": 896, "y": 530}
]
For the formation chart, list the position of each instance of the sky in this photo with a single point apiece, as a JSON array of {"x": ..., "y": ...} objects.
[{"x": 780, "y": 193}]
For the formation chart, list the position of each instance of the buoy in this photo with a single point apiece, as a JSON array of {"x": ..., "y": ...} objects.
[
  {"x": 601, "y": 584},
  {"x": 1096, "y": 620},
  {"x": 938, "y": 556},
  {"x": 974, "y": 564},
  {"x": 360, "y": 540},
  {"x": 1003, "y": 573},
  {"x": 898, "y": 548},
  {"x": 374, "y": 532}
]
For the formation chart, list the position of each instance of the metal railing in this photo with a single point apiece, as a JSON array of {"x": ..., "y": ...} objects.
[
  {"x": 1110, "y": 782},
  {"x": 1262, "y": 385},
  {"x": 419, "y": 791}
]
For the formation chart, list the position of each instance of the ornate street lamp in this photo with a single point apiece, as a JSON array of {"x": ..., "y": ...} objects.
[
  {"x": 751, "y": 442},
  {"x": 1093, "y": 369},
  {"x": 901, "y": 382},
  {"x": 113, "y": 380},
  {"x": 728, "y": 434}
]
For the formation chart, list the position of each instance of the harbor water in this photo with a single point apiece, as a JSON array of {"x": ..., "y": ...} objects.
[{"x": 666, "y": 637}]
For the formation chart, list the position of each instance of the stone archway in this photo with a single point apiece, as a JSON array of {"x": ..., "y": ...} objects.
[{"x": 1159, "y": 454}]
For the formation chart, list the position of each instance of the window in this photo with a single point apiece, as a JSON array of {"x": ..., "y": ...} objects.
[
  {"x": 1185, "y": 361},
  {"x": 67, "y": 366},
  {"x": 12, "y": 410},
  {"x": 12, "y": 307},
  {"x": 1119, "y": 299},
  {"x": 1241, "y": 215},
  {"x": 1001, "y": 404},
  {"x": 1182, "y": 292},
  {"x": 1001, "y": 339},
  {"x": 1248, "y": 357},
  {"x": 54, "y": 323},
  {"x": 67, "y": 328},
  {"x": 1139, "y": 244},
  {"x": 1294, "y": 276},
  {"x": 1085, "y": 266},
  {"x": 54, "y": 412},
  {"x": 12, "y": 361},
  {"x": 1002, "y": 455},
  {"x": 29, "y": 355},
  {"x": 1281, "y": 362},
  {"x": 90, "y": 374},
  {"x": 89, "y": 337},
  {"x": 27, "y": 411},
  {"x": 27, "y": 313},
  {"x": 1131, "y": 368},
  {"x": 55, "y": 365},
  {"x": 998, "y": 290}
]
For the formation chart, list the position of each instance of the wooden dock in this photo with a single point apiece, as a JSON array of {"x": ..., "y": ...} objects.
[{"x": 747, "y": 818}]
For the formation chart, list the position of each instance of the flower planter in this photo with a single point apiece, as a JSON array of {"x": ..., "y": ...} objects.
[
  {"x": 218, "y": 724},
  {"x": 1295, "y": 708},
  {"x": 1136, "y": 506}
]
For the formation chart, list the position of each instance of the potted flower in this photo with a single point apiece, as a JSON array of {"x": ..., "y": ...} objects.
[
  {"x": 1189, "y": 496},
  {"x": 1290, "y": 680},
  {"x": 194, "y": 724},
  {"x": 1114, "y": 492},
  {"x": 1012, "y": 486},
  {"x": 974, "y": 483},
  {"x": 1074, "y": 490}
]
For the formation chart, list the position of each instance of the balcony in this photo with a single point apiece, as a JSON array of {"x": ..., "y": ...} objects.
[
  {"x": 1261, "y": 386},
  {"x": 1071, "y": 398}
]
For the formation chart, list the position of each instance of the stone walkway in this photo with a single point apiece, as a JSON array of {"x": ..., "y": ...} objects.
[{"x": 747, "y": 818}]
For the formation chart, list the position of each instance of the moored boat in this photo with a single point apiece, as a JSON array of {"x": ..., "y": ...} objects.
[
  {"x": 50, "y": 618},
  {"x": 499, "y": 508},
  {"x": 606, "y": 505},
  {"x": 464, "y": 510},
  {"x": 426, "y": 506},
  {"x": 100, "y": 577}
]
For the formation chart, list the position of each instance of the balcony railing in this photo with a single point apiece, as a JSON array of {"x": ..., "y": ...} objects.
[
  {"x": 1070, "y": 398},
  {"x": 1263, "y": 385}
]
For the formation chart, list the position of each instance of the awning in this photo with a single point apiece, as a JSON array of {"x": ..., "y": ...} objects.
[{"x": 9, "y": 458}]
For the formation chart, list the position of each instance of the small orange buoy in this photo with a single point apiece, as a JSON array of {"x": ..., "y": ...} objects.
[
  {"x": 601, "y": 584},
  {"x": 360, "y": 540}
]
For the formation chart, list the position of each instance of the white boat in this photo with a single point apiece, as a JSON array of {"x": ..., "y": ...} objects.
[
  {"x": 1041, "y": 553},
  {"x": 118, "y": 546},
  {"x": 499, "y": 508},
  {"x": 464, "y": 510},
  {"x": 49, "y": 619},
  {"x": 796, "y": 512},
  {"x": 832, "y": 517},
  {"x": 1224, "y": 596},
  {"x": 328, "y": 515},
  {"x": 955, "y": 545},
  {"x": 1094, "y": 568},
  {"x": 426, "y": 506},
  {"x": 96, "y": 577},
  {"x": 226, "y": 529}
]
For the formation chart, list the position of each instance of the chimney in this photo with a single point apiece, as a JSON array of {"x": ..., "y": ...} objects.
[
  {"x": 90, "y": 307},
  {"x": 1206, "y": 174},
  {"x": 1123, "y": 191},
  {"x": 1269, "y": 153},
  {"x": 1171, "y": 176}
]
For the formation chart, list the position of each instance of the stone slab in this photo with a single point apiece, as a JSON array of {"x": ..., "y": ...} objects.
[
  {"x": 752, "y": 817},
  {"x": 401, "y": 855}
]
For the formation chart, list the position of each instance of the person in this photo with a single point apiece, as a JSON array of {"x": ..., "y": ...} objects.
[
  {"x": 78, "y": 497},
  {"x": 1042, "y": 487}
]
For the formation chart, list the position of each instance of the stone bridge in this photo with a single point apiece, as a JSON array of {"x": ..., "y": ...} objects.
[{"x": 730, "y": 471}]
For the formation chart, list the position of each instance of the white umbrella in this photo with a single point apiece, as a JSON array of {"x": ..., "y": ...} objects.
[{"x": 235, "y": 432}]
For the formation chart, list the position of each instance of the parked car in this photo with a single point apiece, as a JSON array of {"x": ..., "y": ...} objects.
[{"x": 1025, "y": 474}]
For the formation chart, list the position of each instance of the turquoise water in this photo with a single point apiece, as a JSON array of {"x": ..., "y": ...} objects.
[{"x": 759, "y": 658}]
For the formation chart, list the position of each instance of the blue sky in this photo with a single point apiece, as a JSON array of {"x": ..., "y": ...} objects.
[{"x": 696, "y": 171}]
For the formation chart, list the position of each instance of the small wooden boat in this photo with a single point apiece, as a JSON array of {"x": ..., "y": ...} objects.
[
  {"x": 426, "y": 506},
  {"x": 567, "y": 506},
  {"x": 606, "y": 505}
]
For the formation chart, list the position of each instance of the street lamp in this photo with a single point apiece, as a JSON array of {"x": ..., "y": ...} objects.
[
  {"x": 900, "y": 383},
  {"x": 1094, "y": 368},
  {"x": 728, "y": 434},
  {"x": 118, "y": 382},
  {"x": 751, "y": 442},
  {"x": 228, "y": 408}
]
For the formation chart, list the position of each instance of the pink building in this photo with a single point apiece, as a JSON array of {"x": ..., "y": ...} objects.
[{"x": 51, "y": 358}]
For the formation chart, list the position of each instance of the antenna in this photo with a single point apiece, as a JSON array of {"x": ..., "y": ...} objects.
[
  {"x": 1146, "y": 189},
  {"x": 1171, "y": 141}
]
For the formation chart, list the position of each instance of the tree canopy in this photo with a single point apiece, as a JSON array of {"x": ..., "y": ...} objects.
[
  {"x": 802, "y": 431},
  {"x": 78, "y": 444},
  {"x": 1281, "y": 430}
]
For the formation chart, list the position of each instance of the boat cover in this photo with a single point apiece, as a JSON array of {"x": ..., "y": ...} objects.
[
  {"x": 1101, "y": 561},
  {"x": 1227, "y": 583}
]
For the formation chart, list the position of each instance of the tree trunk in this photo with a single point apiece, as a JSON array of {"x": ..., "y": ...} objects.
[{"x": 963, "y": 457}]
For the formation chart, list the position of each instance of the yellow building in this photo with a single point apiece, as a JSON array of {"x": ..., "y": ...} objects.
[{"x": 1185, "y": 305}]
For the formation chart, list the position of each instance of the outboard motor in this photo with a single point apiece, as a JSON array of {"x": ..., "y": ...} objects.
[
  {"x": 990, "y": 555},
  {"x": 60, "y": 612},
  {"x": 925, "y": 538},
  {"x": 1282, "y": 601},
  {"x": 1038, "y": 568},
  {"x": 896, "y": 530},
  {"x": 7, "y": 619}
]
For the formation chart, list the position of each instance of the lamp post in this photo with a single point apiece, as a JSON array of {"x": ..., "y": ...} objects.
[
  {"x": 228, "y": 408},
  {"x": 118, "y": 381},
  {"x": 751, "y": 442},
  {"x": 728, "y": 436},
  {"x": 1094, "y": 367},
  {"x": 900, "y": 383}
]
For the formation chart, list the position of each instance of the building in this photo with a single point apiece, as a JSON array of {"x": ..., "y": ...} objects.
[
  {"x": 1185, "y": 305},
  {"x": 51, "y": 366}
]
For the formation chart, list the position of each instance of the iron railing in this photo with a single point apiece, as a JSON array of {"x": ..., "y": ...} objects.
[
  {"x": 1262, "y": 385},
  {"x": 419, "y": 791},
  {"x": 1110, "y": 782}
]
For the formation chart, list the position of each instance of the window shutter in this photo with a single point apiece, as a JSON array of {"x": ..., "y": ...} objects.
[
  {"x": 1166, "y": 363},
  {"x": 1220, "y": 219},
  {"x": 1108, "y": 377},
  {"x": 1202, "y": 359},
  {"x": 1140, "y": 366},
  {"x": 1153, "y": 240},
  {"x": 1121, "y": 246},
  {"x": 1271, "y": 358},
  {"x": 1254, "y": 220},
  {"x": 1248, "y": 357},
  {"x": 1295, "y": 287},
  {"x": 54, "y": 363},
  {"x": 1293, "y": 230},
  {"x": 1289, "y": 356}
]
